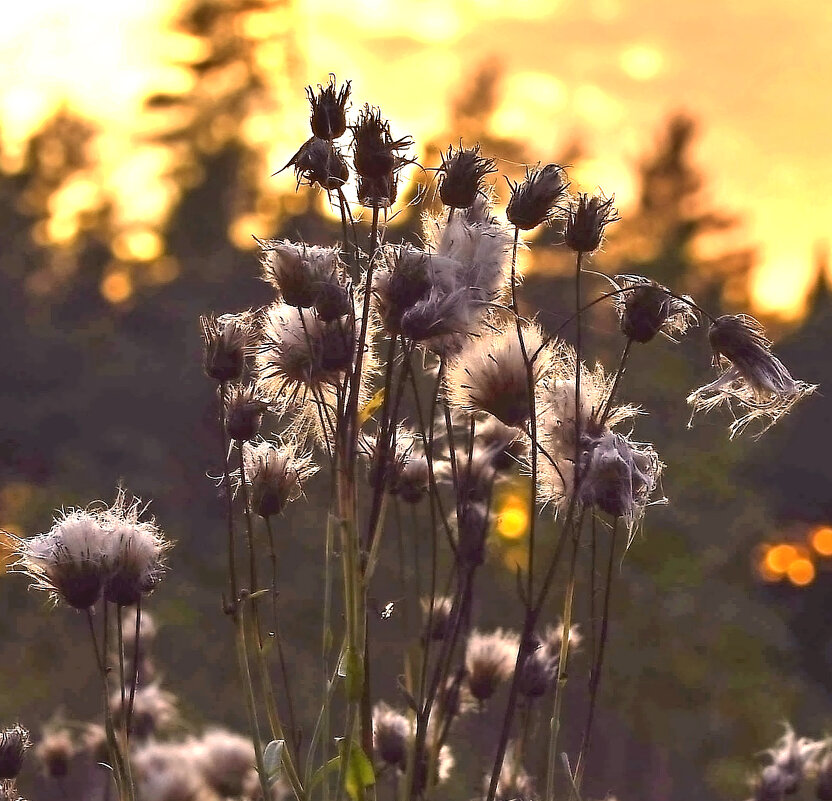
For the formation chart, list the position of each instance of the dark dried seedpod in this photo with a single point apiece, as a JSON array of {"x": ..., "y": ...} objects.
[
  {"x": 645, "y": 310},
  {"x": 472, "y": 532},
  {"x": 376, "y": 158},
  {"x": 55, "y": 752},
  {"x": 244, "y": 413},
  {"x": 534, "y": 200},
  {"x": 226, "y": 340},
  {"x": 587, "y": 219},
  {"x": 319, "y": 162},
  {"x": 13, "y": 745},
  {"x": 329, "y": 109},
  {"x": 332, "y": 301},
  {"x": 463, "y": 171},
  {"x": 740, "y": 339}
]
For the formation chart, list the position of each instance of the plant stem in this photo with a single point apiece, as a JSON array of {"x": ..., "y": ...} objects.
[{"x": 616, "y": 380}]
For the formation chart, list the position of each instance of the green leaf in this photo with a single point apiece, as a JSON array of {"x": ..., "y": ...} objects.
[
  {"x": 359, "y": 774},
  {"x": 272, "y": 759}
]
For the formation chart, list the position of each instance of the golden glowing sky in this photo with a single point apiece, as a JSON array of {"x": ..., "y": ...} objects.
[{"x": 755, "y": 72}]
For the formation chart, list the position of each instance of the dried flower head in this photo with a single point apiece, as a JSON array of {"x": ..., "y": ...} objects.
[
  {"x": 489, "y": 660},
  {"x": 535, "y": 200},
  {"x": 444, "y": 766},
  {"x": 392, "y": 733},
  {"x": 823, "y": 789},
  {"x": 504, "y": 444},
  {"x": 154, "y": 710},
  {"x": 646, "y": 308},
  {"x": 276, "y": 472},
  {"x": 620, "y": 477},
  {"x": 299, "y": 349},
  {"x": 403, "y": 279},
  {"x": 13, "y": 744},
  {"x": 790, "y": 756},
  {"x": 55, "y": 752},
  {"x": 586, "y": 221},
  {"x": 318, "y": 161},
  {"x": 298, "y": 271},
  {"x": 491, "y": 374},
  {"x": 515, "y": 783},
  {"x": 135, "y": 552},
  {"x": 406, "y": 469},
  {"x": 70, "y": 561},
  {"x": 376, "y": 159},
  {"x": 463, "y": 171},
  {"x": 227, "y": 340},
  {"x": 225, "y": 760},
  {"x": 437, "y": 617},
  {"x": 753, "y": 378},
  {"x": 329, "y": 109},
  {"x": 244, "y": 409},
  {"x": 94, "y": 743},
  {"x": 169, "y": 772},
  {"x": 539, "y": 671}
]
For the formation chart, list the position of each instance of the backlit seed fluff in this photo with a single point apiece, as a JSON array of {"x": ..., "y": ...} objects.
[
  {"x": 535, "y": 199},
  {"x": 754, "y": 379},
  {"x": 462, "y": 173},
  {"x": 329, "y": 109},
  {"x": 135, "y": 552},
  {"x": 169, "y": 772},
  {"x": 406, "y": 469},
  {"x": 539, "y": 671},
  {"x": 437, "y": 617},
  {"x": 391, "y": 736},
  {"x": 70, "y": 561},
  {"x": 13, "y": 744},
  {"x": 319, "y": 162},
  {"x": 489, "y": 660},
  {"x": 298, "y": 270},
  {"x": 244, "y": 409},
  {"x": 376, "y": 159},
  {"x": 491, "y": 374},
  {"x": 276, "y": 473},
  {"x": 226, "y": 341},
  {"x": 587, "y": 220},
  {"x": 55, "y": 753},
  {"x": 504, "y": 444},
  {"x": 225, "y": 760},
  {"x": 646, "y": 308},
  {"x": 154, "y": 710}
]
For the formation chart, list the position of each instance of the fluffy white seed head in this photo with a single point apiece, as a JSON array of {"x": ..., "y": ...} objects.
[
  {"x": 489, "y": 660},
  {"x": 225, "y": 760},
  {"x": 276, "y": 472},
  {"x": 298, "y": 271}
]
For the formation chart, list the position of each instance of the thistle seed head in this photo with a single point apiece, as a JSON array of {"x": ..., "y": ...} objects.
[
  {"x": 503, "y": 444},
  {"x": 55, "y": 753},
  {"x": 276, "y": 472},
  {"x": 539, "y": 671},
  {"x": 438, "y": 619},
  {"x": 534, "y": 201},
  {"x": 489, "y": 660},
  {"x": 515, "y": 782},
  {"x": 376, "y": 159},
  {"x": 299, "y": 271},
  {"x": 491, "y": 374},
  {"x": 169, "y": 772},
  {"x": 70, "y": 561},
  {"x": 587, "y": 220},
  {"x": 135, "y": 552},
  {"x": 227, "y": 340},
  {"x": 329, "y": 109},
  {"x": 754, "y": 379},
  {"x": 392, "y": 733},
  {"x": 472, "y": 531},
  {"x": 94, "y": 743},
  {"x": 647, "y": 309},
  {"x": 244, "y": 409},
  {"x": 14, "y": 742},
  {"x": 225, "y": 760},
  {"x": 154, "y": 711},
  {"x": 319, "y": 162},
  {"x": 463, "y": 171}
]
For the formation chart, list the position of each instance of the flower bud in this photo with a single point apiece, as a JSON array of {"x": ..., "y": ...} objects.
[{"x": 376, "y": 159}]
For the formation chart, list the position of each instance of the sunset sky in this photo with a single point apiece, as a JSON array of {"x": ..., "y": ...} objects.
[{"x": 754, "y": 72}]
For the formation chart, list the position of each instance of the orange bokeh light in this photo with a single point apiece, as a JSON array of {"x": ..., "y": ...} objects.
[
  {"x": 820, "y": 539},
  {"x": 801, "y": 571},
  {"x": 779, "y": 558},
  {"x": 513, "y": 521}
]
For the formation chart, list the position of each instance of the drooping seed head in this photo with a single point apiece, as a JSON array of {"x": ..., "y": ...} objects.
[
  {"x": 154, "y": 711},
  {"x": 55, "y": 753},
  {"x": 329, "y": 109},
  {"x": 437, "y": 617},
  {"x": 463, "y": 171},
  {"x": 539, "y": 671},
  {"x": 225, "y": 760},
  {"x": 392, "y": 733},
  {"x": 298, "y": 270},
  {"x": 534, "y": 200},
  {"x": 647, "y": 309},
  {"x": 587, "y": 220}
]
